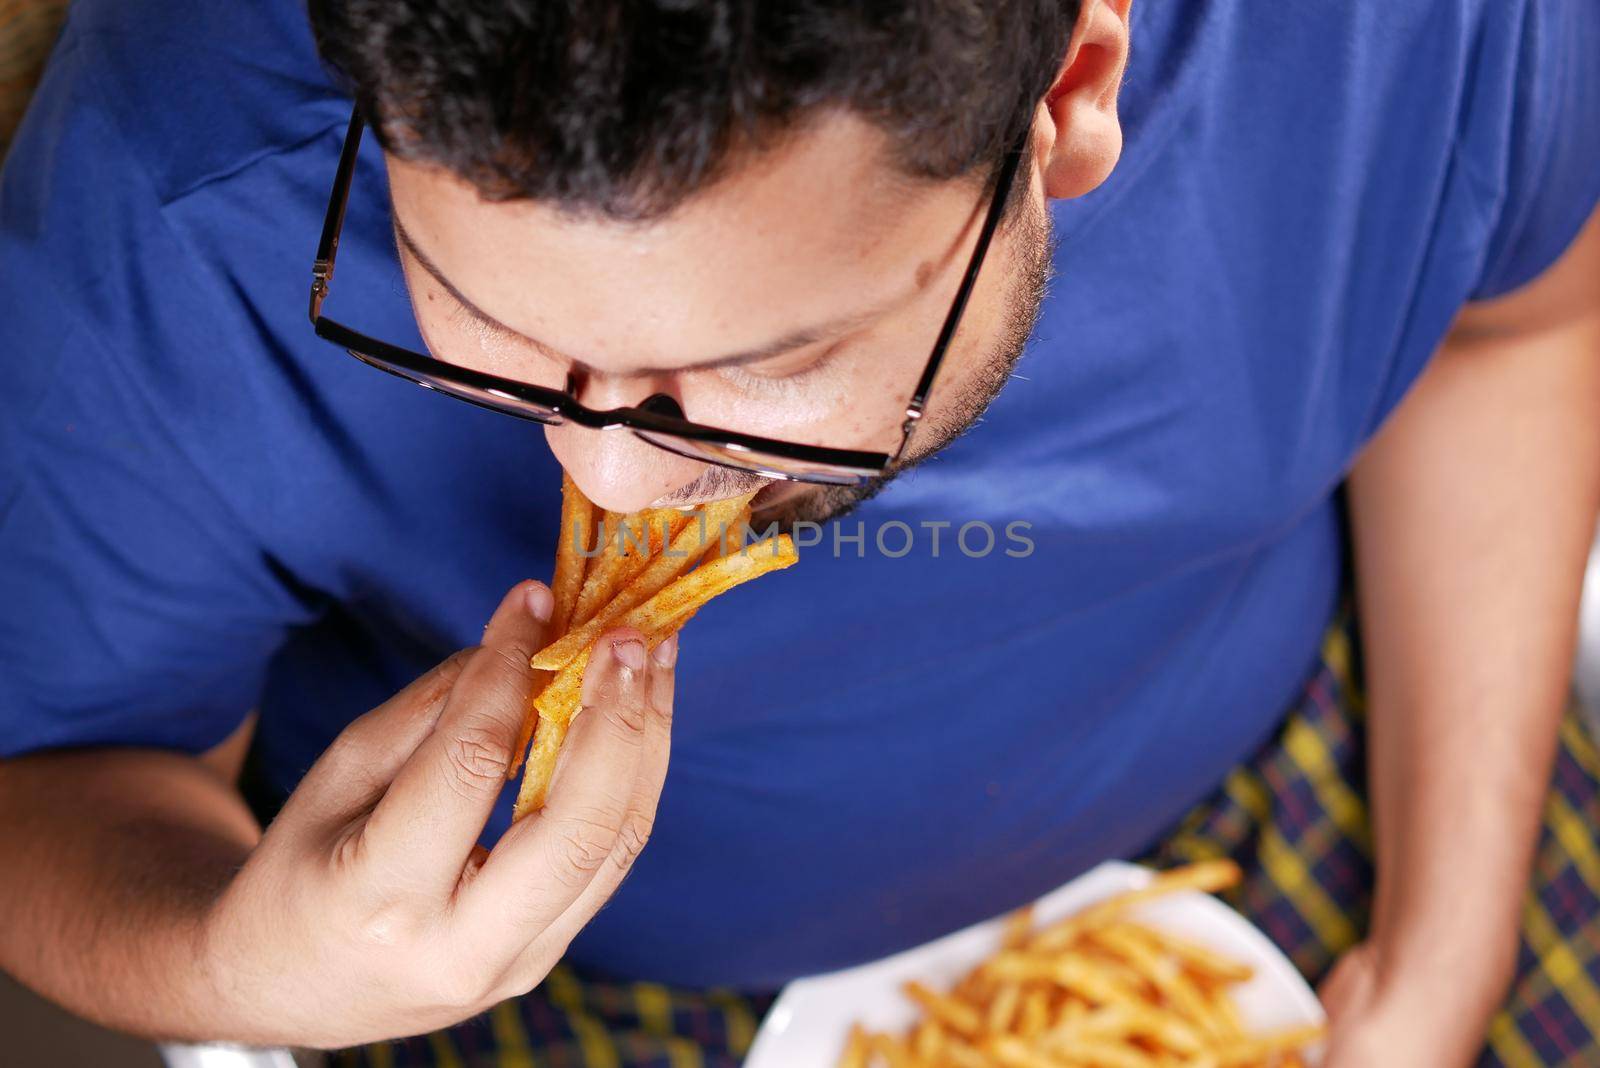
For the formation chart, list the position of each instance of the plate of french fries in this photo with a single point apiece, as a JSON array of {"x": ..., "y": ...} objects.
[{"x": 1121, "y": 968}]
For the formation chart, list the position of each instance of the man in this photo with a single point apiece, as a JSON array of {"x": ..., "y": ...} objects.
[{"x": 1309, "y": 260}]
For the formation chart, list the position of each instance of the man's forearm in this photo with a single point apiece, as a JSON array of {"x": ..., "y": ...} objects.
[
  {"x": 111, "y": 859},
  {"x": 1473, "y": 512}
]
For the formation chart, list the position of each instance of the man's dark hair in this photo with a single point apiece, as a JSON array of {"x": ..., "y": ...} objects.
[{"x": 627, "y": 107}]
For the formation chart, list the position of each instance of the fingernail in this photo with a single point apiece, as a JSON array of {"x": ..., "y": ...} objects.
[
  {"x": 540, "y": 602},
  {"x": 630, "y": 652},
  {"x": 667, "y": 652}
]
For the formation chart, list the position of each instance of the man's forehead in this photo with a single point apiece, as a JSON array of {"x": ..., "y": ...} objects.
[{"x": 821, "y": 228}]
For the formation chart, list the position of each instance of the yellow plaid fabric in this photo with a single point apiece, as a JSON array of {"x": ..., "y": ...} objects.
[{"x": 583, "y": 1022}]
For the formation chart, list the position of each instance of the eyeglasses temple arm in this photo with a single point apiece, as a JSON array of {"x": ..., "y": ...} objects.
[
  {"x": 333, "y": 222},
  {"x": 991, "y": 222}
]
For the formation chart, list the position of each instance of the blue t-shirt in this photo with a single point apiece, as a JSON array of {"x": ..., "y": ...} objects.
[{"x": 206, "y": 510}]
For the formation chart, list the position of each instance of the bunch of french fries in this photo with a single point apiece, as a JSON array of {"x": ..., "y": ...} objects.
[
  {"x": 652, "y": 570},
  {"x": 1096, "y": 990}
]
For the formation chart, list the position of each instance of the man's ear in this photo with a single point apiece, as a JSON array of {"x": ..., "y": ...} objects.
[{"x": 1080, "y": 110}]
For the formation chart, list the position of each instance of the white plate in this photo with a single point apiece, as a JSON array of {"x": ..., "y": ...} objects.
[{"x": 808, "y": 1025}]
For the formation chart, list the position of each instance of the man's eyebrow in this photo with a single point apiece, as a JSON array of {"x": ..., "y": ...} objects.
[{"x": 788, "y": 343}]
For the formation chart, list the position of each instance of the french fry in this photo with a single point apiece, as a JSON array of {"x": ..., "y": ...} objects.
[
  {"x": 1208, "y": 876},
  {"x": 1072, "y": 1008},
  {"x": 1243, "y": 1052},
  {"x": 1013, "y": 1052},
  {"x": 1083, "y": 976},
  {"x": 530, "y": 721},
  {"x": 577, "y": 537},
  {"x": 731, "y": 535},
  {"x": 958, "y": 1054},
  {"x": 1163, "y": 973},
  {"x": 1003, "y": 1007},
  {"x": 927, "y": 1042},
  {"x": 1108, "y": 1020},
  {"x": 1034, "y": 1014},
  {"x": 960, "y": 1017},
  {"x": 855, "y": 1049},
  {"x": 893, "y": 1051},
  {"x": 1126, "y": 1023},
  {"x": 677, "y": 558},
  {"x": 1166, "y": 1030},
  {"x": 1211, "y": 966},
  {"x": 734, "y": 538},
  {"x": 1101, "y": 1053},
  {"x": 668, "y": 610},
  {"x": 1018, "y": 928},
  {"x": 977, "y": 987},
  {"x": 1226, "y": 1014},
  {"x": 631, "y": 542},
  {"x": 1116, "y": 967},
  {"x": 541, "y": 768}
]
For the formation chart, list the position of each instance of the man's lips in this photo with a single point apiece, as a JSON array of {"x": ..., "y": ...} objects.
[{"x": 775, "y": 492}]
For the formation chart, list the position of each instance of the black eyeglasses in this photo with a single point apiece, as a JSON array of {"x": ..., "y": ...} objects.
[{"x": 659, "y": 420}]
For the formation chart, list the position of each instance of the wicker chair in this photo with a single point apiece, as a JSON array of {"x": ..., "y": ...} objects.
[{"x": 27, "y": 30}]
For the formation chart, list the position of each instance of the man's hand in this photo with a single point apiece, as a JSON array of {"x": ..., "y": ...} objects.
[
  {"x": 369, "y": 911},
  {"x": 1374, "y": 1023}
]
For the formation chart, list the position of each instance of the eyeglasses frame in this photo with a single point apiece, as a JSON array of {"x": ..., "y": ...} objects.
[{"x": 854, "y": 466}]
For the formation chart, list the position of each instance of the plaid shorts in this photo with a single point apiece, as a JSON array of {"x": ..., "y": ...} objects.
[{"x": 1295, "y": 818}]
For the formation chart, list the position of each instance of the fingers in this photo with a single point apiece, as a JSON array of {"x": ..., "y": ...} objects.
[
  {"x": 424, "y": 828},
  {"x": 355, "y": 770},
  {"x": 656, "y": 748},
  {"x": 599, "y": 812}
]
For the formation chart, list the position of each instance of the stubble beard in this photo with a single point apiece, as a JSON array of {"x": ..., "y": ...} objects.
[{"x": 1028, "y": 288}]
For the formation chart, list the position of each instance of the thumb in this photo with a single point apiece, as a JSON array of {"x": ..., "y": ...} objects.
[
  {"x": 437, "y": 805},
  {"x": 360, "y": 763},
  {"x": 366, "y": 756}
]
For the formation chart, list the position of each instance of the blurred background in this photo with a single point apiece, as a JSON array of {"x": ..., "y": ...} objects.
[{"x": 36, "y": 1033}]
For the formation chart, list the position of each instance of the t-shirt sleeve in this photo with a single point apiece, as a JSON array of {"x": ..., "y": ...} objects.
[
  {"x": 137, "y": 611},
  {"x": 1547, "y": 163},
  {"x": 136, "y": 607}
]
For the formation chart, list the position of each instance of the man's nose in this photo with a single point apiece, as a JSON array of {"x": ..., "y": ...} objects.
[{"x": 616, "y": 469}]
